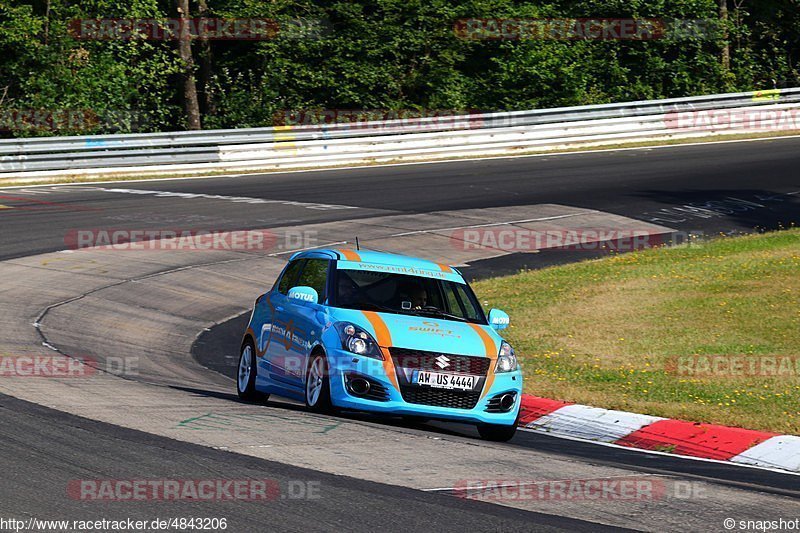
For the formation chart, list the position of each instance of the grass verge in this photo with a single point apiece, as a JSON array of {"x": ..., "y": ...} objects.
[{"x": 708, "y": 332}]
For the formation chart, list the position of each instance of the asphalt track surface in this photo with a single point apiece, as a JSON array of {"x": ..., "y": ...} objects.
[
  {"x": 35, "y": 471},
  {"x": 637, "y": 183},
  {"x": 733, "y": 187}
]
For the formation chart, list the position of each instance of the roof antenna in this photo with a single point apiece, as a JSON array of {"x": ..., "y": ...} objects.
[{"x": 357, "y": 246}]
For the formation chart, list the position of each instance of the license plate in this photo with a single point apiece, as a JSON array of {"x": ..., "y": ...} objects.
[{"x": 444, "y": 381}]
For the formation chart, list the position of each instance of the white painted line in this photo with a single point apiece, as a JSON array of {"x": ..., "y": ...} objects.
[
  {"x": 782, "y": 451},
  {"x": 492, "y": 224},
  {"x": 26, "y": 191},
  {"x": 494, "y": 482},
  {"x": 235, "y": 199},
  {"x": 592, "y": 423},
  {"x": 326, "y": 245},
  {"x": 445, "y": 161}
]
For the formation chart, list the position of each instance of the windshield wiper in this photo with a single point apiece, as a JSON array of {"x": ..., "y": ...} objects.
[
  {"x": 431, "y": 310},
  {"x": 428, "y": 310},
  {"x": 370, "y": 306}
]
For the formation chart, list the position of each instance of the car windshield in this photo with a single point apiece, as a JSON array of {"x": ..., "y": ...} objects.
[{"x": 406, "y": 294}]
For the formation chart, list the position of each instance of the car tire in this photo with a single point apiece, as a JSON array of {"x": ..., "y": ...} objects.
[
  {"x": 497, "y": 432},
  {"x": 318, "y": 385},
  {"x": 246, "y": 374}
]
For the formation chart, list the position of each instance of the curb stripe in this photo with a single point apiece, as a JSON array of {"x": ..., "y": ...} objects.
[
  {"x": 697, "y": 440},
  {"x": 592, "y": 423},
  {"x": 533, "y": 407},
  {"x": 645, "y": 432},
  {"x": 782, "y": 451}
]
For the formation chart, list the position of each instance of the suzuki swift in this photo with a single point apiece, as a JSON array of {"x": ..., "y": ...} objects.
[{"x": 379, "y": 332}]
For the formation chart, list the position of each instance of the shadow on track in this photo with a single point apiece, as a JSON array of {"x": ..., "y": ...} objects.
[{"x": 728, "y": 211}]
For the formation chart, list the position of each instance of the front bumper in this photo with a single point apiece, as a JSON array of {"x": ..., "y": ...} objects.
[{"x": 344, "y": 363}]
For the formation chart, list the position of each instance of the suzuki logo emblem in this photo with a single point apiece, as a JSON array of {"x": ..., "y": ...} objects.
[{"x": 442, "y": 362}]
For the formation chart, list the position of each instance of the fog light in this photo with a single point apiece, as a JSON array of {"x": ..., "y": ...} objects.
[
  {"x": 359, "y": 386},
  {"x": 507, "y": 401}
]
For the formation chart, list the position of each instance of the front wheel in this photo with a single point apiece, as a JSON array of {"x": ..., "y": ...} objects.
[
  {"x": 496, "y": 432},
  {"x": 318, "y": 385},
  {"x": 246, "y": 375}
]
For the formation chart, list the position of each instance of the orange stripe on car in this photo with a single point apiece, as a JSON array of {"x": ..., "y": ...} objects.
[
  {"x": 350, "y": 255},
  {"x": 491, "y": 352},
  {"x": 445, "y": 268},
  {"x": 255, "y": 339},
  {"x": 384, "y": 338}
]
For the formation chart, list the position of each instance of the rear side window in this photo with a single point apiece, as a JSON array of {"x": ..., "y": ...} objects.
[
  {"x": 315, "y": 275},
  {"x": 290, "y": 276}
]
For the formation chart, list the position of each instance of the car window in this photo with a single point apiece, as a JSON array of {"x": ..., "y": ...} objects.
[
  {"x": 290, "y": 275},
  {"x": 315, "y": 275},
  {"x": 454, "y": 306},
  {"x": 405, "y": 294},
  {"x": 465, "y": 306}
]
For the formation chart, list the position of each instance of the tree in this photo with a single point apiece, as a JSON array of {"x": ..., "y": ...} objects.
[
  {"x": 726, "y": 45},
  {"x": 190, "y": 101}
]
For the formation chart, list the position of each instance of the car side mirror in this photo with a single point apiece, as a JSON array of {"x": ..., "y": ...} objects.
[
  {"x": 303, "y": 294},
  {"x": 498, "y": 319}
]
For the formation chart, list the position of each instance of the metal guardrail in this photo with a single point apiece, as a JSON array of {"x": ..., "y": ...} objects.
[{"x": 343, "y": 143}]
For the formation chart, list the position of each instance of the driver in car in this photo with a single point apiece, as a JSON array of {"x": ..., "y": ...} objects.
[
  {"x": 414, "y": 297},
  {"x": 419, "y": 297},
  {"x": 347, "y": 292}
]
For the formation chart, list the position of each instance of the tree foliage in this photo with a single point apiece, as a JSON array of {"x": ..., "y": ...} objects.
[{"x": 379, "y": 54}]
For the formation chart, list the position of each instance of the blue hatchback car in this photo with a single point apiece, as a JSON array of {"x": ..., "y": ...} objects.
[{"x": 379, "y": 332}]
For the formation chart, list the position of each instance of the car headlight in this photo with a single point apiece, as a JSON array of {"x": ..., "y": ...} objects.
[
  {"x": 356, "y": 340},
  {"x": 506, "y": 360}
]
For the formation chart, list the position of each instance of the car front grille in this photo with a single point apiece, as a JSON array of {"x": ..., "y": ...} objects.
[
  {"x": 377, "y": 392},
  {"x": 457, "y": 364},
  {"x": 406, "y": 360},
  {"x": 493, "y": 405},
  {"x": 440, "y": 397}
]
